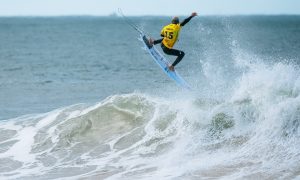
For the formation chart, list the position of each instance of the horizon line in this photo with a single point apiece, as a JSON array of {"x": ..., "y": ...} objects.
[{"x": 116, "y": 15}]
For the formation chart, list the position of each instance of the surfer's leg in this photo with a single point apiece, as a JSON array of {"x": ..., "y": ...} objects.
[
  {"x": 174, "y": 52},
  {"x": 179, "y": 54}
]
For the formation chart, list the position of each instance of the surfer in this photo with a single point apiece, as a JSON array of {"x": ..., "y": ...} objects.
[{"x": 170, "y": 35}]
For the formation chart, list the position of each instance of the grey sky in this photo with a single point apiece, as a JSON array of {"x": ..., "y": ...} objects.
[{"x": 147, "y": 7}]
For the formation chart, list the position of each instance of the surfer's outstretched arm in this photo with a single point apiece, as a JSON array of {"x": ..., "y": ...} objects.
[{"x": 188, "y": 19}]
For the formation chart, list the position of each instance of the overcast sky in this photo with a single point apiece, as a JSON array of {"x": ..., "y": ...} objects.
[{"x": 147, "y": 7}]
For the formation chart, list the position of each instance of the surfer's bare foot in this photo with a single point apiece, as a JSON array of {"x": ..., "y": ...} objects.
[{"x": 171, "y": 68}]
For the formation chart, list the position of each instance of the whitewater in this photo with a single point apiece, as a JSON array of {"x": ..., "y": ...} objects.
[{"x": 241, "y": 121}]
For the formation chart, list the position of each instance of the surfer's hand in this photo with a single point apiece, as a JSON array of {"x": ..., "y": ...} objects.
[
  {"x": 171, "y": 68},
  {"x": 194, "y": 14},
  {"x": 151, "y": 41}
]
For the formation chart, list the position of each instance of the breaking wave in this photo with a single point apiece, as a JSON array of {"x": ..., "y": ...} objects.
[{"x": 254, "y": 133}]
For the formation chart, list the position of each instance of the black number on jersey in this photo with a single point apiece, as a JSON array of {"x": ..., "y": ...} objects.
[{"x": 169, "y": 35}]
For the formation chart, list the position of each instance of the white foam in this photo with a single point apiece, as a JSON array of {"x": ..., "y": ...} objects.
[
  {"x": 50, "y": 117},
  {"x": 20, "y": 151}
]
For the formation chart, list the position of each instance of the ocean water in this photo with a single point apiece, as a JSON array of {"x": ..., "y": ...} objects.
[{"x": 80, "y": 99}]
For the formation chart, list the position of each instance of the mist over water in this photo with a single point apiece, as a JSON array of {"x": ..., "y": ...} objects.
[{"x": 103, "y": 110}]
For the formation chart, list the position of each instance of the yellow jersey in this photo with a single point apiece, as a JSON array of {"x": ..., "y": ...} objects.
[{"x": 170, "y": 34}]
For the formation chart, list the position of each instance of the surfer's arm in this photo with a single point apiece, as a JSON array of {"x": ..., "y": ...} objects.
[
  {"x": 158, "y": 41},
  {"x": 153, "y": 42},
  {"x": 188, "y": 19}
]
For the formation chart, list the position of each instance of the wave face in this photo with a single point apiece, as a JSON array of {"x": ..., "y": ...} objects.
[{"x": 253, "y": 134}]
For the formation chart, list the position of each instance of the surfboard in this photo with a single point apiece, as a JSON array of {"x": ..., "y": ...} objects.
[{"x": 163, "y": 63}]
